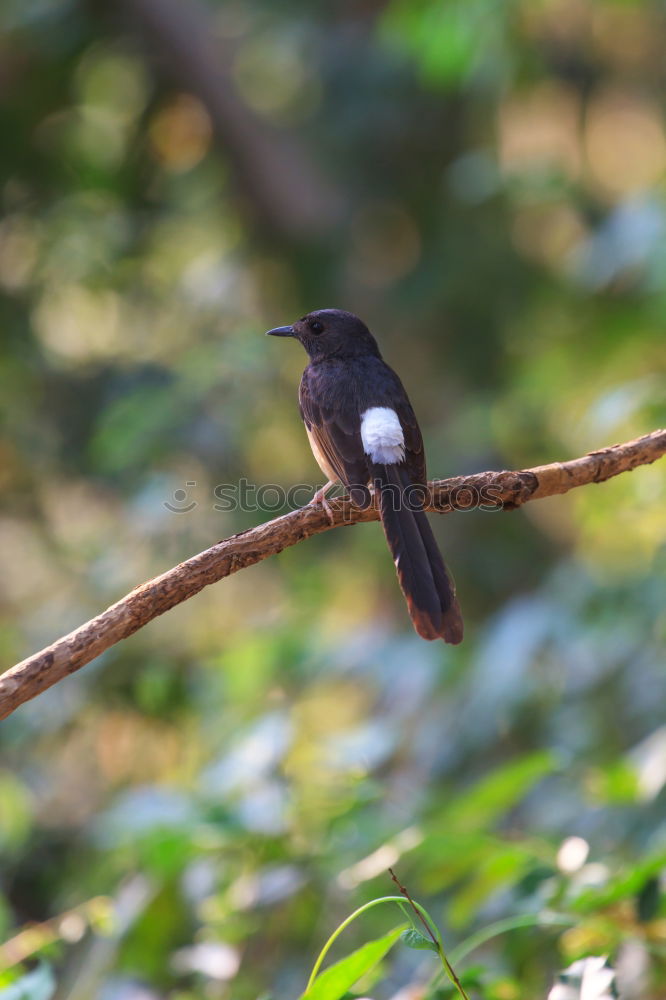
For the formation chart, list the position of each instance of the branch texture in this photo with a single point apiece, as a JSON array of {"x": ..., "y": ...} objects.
[{"x": 504, "y": 490}]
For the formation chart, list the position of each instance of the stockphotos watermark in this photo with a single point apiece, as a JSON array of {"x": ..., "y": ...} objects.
[{"x": 271, "y": 498}]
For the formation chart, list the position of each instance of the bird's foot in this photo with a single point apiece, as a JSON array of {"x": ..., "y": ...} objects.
[{"x": 320, "y": 499}]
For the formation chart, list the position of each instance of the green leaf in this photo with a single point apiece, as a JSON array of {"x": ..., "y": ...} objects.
[
  {"x": 614, "y": 784},
  {"x": 627, "y": 884},
  {"x": 502, "y": 868},
  {"x": 335, "y": 981},
  {"x": 36, "y": 985},
  {"x": 489, "y": 799},
  {"x": 414, "y": 939}
]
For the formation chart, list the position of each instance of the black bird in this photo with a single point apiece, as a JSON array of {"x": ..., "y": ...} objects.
[{"x": 363, "y": 432}]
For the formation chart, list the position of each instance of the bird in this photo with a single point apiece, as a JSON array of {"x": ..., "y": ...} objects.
[{"x": 364, "y": 434}]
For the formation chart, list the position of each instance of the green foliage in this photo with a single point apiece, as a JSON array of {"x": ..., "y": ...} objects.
[
  {"x": 487, "y": 801},
  {"x": 451, "y": 41},
  {"x": 335, "y": 981},
  {"x": 627, "y": 885},
  {"x": 338, "y": 976}
]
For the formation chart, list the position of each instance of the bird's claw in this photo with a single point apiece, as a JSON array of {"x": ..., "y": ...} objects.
[{"x": 320, "y": 499}]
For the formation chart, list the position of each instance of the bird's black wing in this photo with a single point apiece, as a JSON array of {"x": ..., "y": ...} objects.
[
  {"x": 332, "y": 420},
  {"x": 397, "y": 398},
  {"x": 414, "y": 452}
]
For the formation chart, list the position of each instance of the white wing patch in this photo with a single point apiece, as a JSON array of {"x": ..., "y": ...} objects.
[{"x": 382, "y": 435}]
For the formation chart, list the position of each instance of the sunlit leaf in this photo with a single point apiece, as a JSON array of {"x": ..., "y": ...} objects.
[{"x": 334, "y": 982}]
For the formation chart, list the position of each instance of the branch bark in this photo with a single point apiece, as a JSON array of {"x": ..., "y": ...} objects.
[{"x": 491, "y": 490}]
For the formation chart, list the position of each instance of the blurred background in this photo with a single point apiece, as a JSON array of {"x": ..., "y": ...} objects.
[{"x": 483, "y": 183}]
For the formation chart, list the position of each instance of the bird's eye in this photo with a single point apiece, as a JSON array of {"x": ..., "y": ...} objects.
[{"x": 316, "y": 326}]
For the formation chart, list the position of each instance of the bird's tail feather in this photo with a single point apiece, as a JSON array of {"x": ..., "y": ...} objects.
[{"x": 429, "y": 590}]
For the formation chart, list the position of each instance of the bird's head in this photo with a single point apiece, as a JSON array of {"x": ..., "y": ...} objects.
[{"x": 330, "y": 333}]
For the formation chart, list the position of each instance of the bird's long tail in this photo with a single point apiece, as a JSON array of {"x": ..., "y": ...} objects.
[{"x": 429, "y": 590}]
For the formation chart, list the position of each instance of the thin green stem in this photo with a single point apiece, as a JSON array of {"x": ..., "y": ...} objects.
[
  {"x": 368, "y": 906},
  {"x": 448, "y": 968},
  {"x": 345, "y": 923},
  {"x": 436, "y": 937}
]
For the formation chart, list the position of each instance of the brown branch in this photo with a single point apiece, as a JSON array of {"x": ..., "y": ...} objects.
[
  {"x": 490, "y": 490},
  {"x": 419, "y": 915},
  {"x": 448, "y": 968}
]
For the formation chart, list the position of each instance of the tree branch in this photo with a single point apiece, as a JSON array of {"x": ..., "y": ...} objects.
[{"x": 490, "y": 490}]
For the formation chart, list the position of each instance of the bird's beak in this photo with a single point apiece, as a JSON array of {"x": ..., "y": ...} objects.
[{"x": 281, "y": 331}]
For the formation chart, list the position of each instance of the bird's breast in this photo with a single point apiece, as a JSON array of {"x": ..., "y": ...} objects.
[{"x": 320, "y": 457}]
